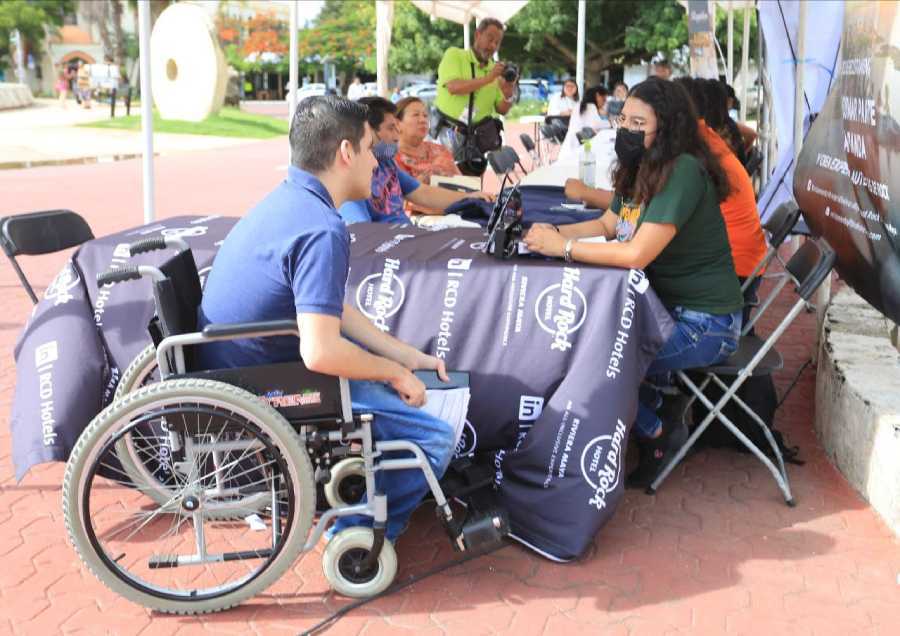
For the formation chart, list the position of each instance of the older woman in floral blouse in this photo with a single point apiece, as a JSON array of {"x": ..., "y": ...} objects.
[{"x": 420, "y": 158}]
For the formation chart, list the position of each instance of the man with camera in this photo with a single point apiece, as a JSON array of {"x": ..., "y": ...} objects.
[{"x": 472, "y": 91}]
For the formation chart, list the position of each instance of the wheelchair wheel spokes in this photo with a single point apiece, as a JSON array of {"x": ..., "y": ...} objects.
[{"x": 233, "y": 514}]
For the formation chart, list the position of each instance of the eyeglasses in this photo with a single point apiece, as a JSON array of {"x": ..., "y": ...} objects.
[{"x": 631, "y": 123}]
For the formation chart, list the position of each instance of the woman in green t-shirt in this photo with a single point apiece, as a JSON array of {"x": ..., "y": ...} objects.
[{"x": 665, "y": 219}]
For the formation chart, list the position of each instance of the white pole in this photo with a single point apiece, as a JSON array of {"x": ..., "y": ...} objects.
[
  {"x": 798, "y": 81},
  {"x": 293, "y": 74},
  {"x": 579, "y": 68},
  {"x": 730, "y": 69},
  {"x": 146, "y": 111},
  {"x": 466, "y": 33},
  {"x": 384, "y": 15},
  {"x": 745, "y": 65}
]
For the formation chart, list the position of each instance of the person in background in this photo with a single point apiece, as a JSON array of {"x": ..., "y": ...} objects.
[
  {"x": 395, "y": 95},
  {"x": 83, "y": 79},
  {"x": 666, "y": 217},
  {"x": 716, "y": 117},
  {"x": 463, "y": 72},
  {"x": 733, "y": 104},
  {"x": 391, "y": 186},
  {"x": 356, "y": 89},
  {"x": 745, "y": 234},
  {"x": 415, "y": 155},
  {"x": 587, "y": 115},
  {"x": 613, "y": 105},
  {"x": 662, "y": 69},
  {"x": 62, "y": 87},
  {"x": 289, "y": 259},
  {"x": 566, "y": 102}
]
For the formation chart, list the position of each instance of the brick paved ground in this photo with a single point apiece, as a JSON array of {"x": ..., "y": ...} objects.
[{"x": 716, "y": 551}]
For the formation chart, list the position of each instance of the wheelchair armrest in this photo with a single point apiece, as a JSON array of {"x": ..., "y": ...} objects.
[{"x": 252, "y": 329}]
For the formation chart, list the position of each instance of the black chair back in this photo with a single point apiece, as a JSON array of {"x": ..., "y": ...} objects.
[
  {"x": 782, "y": 221},
  {"x": 37, "y": 233},
  {"x": 43, "y": 232},
  {"x": 810, "y": 265},
  {"x": 503, "y": 160},
  {"x": 754, "y": 162},
  {"x": 527, "y": 142}
]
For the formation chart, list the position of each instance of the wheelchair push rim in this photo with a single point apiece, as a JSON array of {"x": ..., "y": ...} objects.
[{"x": 230, "y": 452}]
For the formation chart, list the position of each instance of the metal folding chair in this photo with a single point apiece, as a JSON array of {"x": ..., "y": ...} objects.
[
  {"x": 531, "y": 149},
  {"x": 38, "y": 233},
  {"x": 808, "y": 267}
]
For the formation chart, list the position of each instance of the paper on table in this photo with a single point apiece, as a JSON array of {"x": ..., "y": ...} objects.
[{"x": 450, "y": 405}]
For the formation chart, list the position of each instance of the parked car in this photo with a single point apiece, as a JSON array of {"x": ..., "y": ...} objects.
[
  {"x": 533, "y": 90},
  {"x": 314, "y": 89},
  {"x": 370, "y": 89},
  {"x": 413, "y": 90}
]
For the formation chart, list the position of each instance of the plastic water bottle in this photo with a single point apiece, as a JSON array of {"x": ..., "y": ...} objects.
[{"x": 586, "y": 164}]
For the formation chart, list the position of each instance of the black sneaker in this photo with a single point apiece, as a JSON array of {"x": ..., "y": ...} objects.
[{"x": 656, "y": 453}]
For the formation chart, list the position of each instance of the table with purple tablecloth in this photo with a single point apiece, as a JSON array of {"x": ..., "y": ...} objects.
[{"x": 555, "y": 353}]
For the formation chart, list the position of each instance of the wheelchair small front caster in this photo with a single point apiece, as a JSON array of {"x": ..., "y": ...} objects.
[
  {"x": 347, "y": 485},
  {"x": 342, "y": 560}
]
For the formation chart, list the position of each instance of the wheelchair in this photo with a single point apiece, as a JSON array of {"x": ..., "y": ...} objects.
[{"x": 196, "y": 492}]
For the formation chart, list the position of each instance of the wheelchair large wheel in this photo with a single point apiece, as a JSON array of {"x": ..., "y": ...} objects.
[
  {"x": 343, "y": 555},
  {"x": 141, "y": 372},
  {"x": 230, "y": 453}
]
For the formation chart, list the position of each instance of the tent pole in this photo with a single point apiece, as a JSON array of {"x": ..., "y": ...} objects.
[
  {"x": 294, "y": 75},
  {"x": 745, "y": 63},
  {"x": 466, "y": 33},
  {"x": 730, "y": 70},
  {"x": 579, "y": 68},
  {"x": 798, "y": 93},
  {"x": 146, "y": 111},
  {"x": 384, "y": 16}
]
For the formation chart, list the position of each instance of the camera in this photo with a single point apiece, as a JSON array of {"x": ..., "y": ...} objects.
[{"x": 510, "y": 72}]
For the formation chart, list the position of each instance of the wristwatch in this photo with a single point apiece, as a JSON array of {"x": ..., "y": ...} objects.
[{"x": 567, "y": 251}]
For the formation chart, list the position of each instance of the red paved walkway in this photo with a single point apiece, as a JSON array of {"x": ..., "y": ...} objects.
[{"x": 715, "y": 552}]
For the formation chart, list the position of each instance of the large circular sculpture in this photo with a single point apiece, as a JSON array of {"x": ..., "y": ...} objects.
[{"x": 188, "y": 69}]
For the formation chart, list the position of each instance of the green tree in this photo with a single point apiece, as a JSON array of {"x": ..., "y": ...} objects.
[
  {"x": 33, "y": 19},
  {"x": 543, "y": 35}
]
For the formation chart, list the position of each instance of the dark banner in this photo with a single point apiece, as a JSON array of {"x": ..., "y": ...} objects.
[
  {"x": 849, "y": 161},
  {"x": 555, "y": 353}
]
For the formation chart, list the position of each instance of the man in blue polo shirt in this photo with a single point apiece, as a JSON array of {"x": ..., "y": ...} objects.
[
  {"x": 391, "y": 186},
  {"x": 289, "y": 257}
]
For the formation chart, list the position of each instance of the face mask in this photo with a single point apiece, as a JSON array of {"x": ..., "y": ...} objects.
[
  {"x": 629, "y": 146},
  {"x": 384, "y": 150}
]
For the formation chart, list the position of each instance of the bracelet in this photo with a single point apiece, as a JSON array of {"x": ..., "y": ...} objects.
[
  {"x": 555, "y": 227},
  {"x": 567, "y": 252}
]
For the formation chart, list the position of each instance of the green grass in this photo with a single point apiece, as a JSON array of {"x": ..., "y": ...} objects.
[
  {"x": 523, "y": 109},
  {"x": 229, "y": 122}
]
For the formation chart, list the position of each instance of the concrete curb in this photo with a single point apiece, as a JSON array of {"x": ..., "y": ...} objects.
[{"x": 858, "y": 402}]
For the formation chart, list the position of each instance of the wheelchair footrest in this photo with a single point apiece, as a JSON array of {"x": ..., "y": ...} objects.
[{"x": 464, "y": 477}]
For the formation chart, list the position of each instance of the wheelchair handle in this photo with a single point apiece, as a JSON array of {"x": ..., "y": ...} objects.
[
  {"x": 157, "y": 243},
  {"x": 117, "y": 275}
]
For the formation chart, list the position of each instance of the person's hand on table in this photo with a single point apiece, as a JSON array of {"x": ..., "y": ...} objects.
[
  {"x": 544, "y": 239},
  {"x": 575, "y": 189},
  {"x": 422, "y": 361}
]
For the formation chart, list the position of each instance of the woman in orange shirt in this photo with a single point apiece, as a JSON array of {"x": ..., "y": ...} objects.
[{"x": 745, "y": 235}]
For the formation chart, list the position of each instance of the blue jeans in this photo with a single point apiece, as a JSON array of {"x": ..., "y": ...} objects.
[
  {"x": 698, "y": 340},
  {"x": 394, "y": 419}
]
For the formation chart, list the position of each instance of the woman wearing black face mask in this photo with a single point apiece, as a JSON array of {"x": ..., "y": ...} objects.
[{"x": 665, "y": 218}]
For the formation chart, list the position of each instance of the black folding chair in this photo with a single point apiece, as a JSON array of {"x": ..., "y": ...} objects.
[
  {"x": 585, "y": 133},
  {"x": 808, "y": 267},
  {"x": 38, "y": 233},
  {"x": 504, "y": 161},
  {"x": 777, "y": 227},
  {"x": 531, "y": 149}
]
